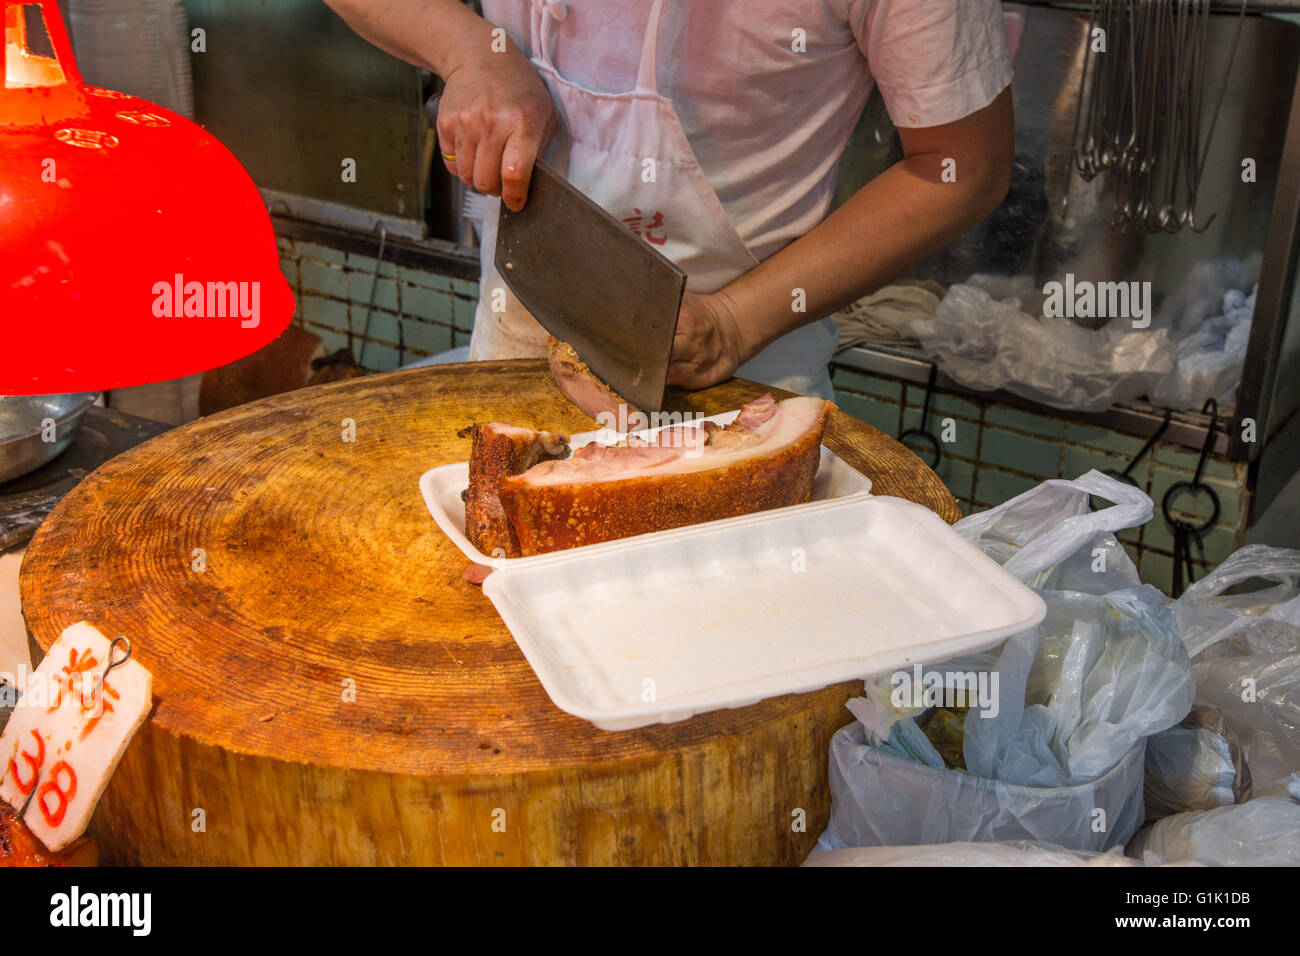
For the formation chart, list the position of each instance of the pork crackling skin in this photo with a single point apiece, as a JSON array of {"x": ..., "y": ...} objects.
[
  {"x": 498, "y": 451},
  {"x": 767, "y": 458}
]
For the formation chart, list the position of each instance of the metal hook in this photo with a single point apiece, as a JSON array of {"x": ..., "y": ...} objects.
[
  {"x": 1211, "y": 408},
  {"x": 1126, "y": 475},
  {"x": 121, "y": 639},
  {"x": 921, "y": 432},
  {"x": 374, "y": 286},
  {"x": 1185, "y": 533},
  {"x": 30, "y": 793},
  {"x": 1149, "y": 118}
]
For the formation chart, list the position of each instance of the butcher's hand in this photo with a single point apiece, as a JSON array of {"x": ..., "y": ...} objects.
[
  {"x": 494, "y": 119},
  {"x": 495, "y": 116},
  {"x": 708, "y": 346}
]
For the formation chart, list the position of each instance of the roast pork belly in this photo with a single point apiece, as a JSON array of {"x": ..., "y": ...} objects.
[
  {"x": 582, "y": 386},
  {"x": 499, "y": 451},
  {"x": 767, "y": 458}
]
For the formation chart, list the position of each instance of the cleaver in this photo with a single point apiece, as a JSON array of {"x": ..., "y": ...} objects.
[{"x": 593, "y": 283}]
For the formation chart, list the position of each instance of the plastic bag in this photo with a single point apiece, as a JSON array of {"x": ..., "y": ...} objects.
[
  {"x": 989, "y": 333},
  {"x": 1208, "y": 363},
  {"x": 1259, "y": 696},
  {"x": 1246, "y": 656},
  {"x": 1106, "y": 666},
  {"x": 1261, "y": 621},
  {"x": 1198, "y": 765},
  {"x": 1009, "y": 853},
  {"x": 988, "y": 344},
  {"x": 1110, "y": 670},
  {"x": 1197, "y": 297},
  {"x": 1039, "y": 536},
  {"x": 1076, "y": 696},
  {"x": 1261, "y": 832},
  {"x": 879, "y": 799}
]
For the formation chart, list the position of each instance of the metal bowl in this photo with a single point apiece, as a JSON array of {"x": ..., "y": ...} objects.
[{"x": 23, "y": 429}]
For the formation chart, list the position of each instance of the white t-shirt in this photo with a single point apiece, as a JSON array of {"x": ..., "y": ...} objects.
[{"x": 767, "y": 123}]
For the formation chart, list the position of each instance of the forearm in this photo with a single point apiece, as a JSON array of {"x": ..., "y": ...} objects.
[
  {"x": 434, "y": 34},
  {"x": 898, "y": 219}
]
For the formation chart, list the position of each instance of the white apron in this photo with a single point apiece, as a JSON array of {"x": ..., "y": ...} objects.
[{"x": 609, "y": 145}]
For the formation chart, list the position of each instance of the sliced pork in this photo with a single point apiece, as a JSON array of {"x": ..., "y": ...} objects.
[
  {"x": 499, "y": 451},
  {"x": 583, "y": 388},
  {"x": 767, "y": 458}
]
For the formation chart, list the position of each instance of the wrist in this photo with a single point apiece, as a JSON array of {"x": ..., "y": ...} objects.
[
  {"x": 471, "y": 45},
  {"x": 739, "y": 336}
]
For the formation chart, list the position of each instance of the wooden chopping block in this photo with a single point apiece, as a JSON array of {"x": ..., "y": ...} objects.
[{"x": 329, "y": 690}]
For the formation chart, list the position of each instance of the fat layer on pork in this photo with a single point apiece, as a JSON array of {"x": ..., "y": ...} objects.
[{"x": 766, "y": 459}]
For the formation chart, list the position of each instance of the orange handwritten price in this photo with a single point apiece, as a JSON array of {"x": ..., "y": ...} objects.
[
  {"x": 61, "y": 793},
  {"x": 34, "y": 761},
  {"x": 61, "y": 746}
]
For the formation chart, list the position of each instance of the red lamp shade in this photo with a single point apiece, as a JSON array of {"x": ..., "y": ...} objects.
[{"x": 133, "y": 246}]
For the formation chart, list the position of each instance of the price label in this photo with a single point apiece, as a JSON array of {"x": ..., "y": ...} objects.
[{"x": 69, "y": 730}]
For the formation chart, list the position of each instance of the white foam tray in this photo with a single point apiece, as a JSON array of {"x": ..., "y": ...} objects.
[
  {"x": 658, "y": 628},
  {"x": 442, "y": 487}
]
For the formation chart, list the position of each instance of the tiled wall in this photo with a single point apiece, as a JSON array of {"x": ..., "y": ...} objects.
[
  {"x": 417, "y": 313},
  {"x": 998, "y": 452}
]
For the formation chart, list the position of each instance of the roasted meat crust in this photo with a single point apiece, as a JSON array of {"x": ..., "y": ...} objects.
[
  {"x": 557, "y": 516},
  {"x": 20, "y": 847},
  {"x": 499, "y": 451}
]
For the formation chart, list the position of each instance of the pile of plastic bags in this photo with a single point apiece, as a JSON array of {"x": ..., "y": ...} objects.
[
  {"x": 1122, "y": 708},
  {"x": 986, "y": 342},
  {"x": 989, "y": 332},
  {"x": 1230, "y": 793}
]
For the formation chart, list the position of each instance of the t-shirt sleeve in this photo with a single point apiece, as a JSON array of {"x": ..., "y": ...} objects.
[{"x": 935, "y": 61}]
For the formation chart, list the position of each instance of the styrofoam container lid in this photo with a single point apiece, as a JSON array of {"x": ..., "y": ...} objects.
[{"x": 661, "y": 627}]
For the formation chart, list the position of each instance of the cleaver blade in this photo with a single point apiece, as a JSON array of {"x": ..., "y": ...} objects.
[{"x": 593, "y": 283}]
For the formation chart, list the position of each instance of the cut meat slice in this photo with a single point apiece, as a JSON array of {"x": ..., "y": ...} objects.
[
  {"x": 476, "y": 573},
  {"x": 499, "y": 451},
  {"x": 736, "y": 436},
  {"x": 589, "y": 393},
  {"x": 767, "y": 458}
]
